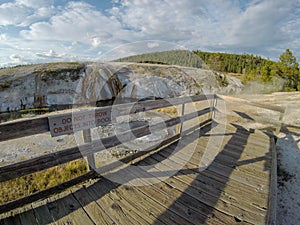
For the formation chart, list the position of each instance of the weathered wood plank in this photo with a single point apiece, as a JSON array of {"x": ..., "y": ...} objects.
[
  {"x": 42, "y": 213},
  {"x": 87, "y": 138},
  {"x": 236, "y": 197},
  {"x": 238, "y": 174},
  {"x": 163, "y": 197},
  {"x": 183, "y": 205},
  {"x": 207, "y": 197},
  {"x": 47, "y": 161},
  {"x": 23, "y": 128},
  {"x": 252, "y": 192},
  {"x": 272, "y": 200},
  {"x": 232, "y": 186},
  {"x": 136, "y": 203},
  {"x": 194, "y": 165},
  {"x": 27, "y": 127},
  {"x": 140, "y": 178},
  {"x": 28, "y": 217},
  {"x": 67, "y": 210},
  {"x": 154, "y": 206},
  {"x": 113, "y": 209},
  {"x": 129, "y": 209},
  {"x": 95, "y": 211},
  {"x": 13, "y": 220}
]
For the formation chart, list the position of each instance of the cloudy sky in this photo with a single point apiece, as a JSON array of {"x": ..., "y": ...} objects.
[{"x": 34, "y": 31}]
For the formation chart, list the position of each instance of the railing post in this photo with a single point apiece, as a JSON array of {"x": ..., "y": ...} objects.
[
  {"x": 280, "y": 120},
  {"x": 212, "y": 104},
  {"x": 215, "y": 101},
  {"x": 87, "y": 138},
  {"x": 182, "y": 114}
]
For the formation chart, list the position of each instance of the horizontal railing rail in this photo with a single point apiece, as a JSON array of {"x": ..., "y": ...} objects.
[
  {"x": 53, "y": 159},
  {"x": 27, "y": 127},
  {"x": 247, "y": 102},
  {"x": 278, "y": 123}
]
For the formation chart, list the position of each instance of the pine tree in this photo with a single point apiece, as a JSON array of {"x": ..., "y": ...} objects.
[{"x": 289, "y": 70}]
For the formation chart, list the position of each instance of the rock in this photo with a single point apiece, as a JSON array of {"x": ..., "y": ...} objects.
[{"x": 61, "y": 85}]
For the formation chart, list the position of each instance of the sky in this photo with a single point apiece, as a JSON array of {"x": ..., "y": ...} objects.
[{"x": 38, "y": 31}]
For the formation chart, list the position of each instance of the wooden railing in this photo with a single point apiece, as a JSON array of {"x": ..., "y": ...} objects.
[
  {"x": 276, "y": 122},
  {"x": 27, "y": 127}
]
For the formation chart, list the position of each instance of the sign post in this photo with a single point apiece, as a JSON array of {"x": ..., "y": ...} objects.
[{"x": 87, "y": 138}]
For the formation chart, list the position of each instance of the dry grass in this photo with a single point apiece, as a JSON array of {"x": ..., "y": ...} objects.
[
  {"x": 22, "y": 186},
  {"x": 171, "y": 111}
]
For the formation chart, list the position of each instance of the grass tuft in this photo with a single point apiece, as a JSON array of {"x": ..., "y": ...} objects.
[{"x": 22, "y": 186}]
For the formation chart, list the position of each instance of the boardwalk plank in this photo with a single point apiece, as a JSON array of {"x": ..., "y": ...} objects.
[
  {"x": 135, "y": 201},
  {"x": 254, "y": 172},
  {"x": 42, "y": 213},
  {"x": 113, "y": 209},
  {"x": 12, "y": 220},
  {"x": 212, "y": 201},
  {"x": 154, "y": 201},
  {"x": 28, "y": 217},
  {"x": 220, "y": 178},
  {"x": 225, "y": 193},
  {"x": 238, "y": 174},
  {"x": 67, "y": 210},
  {"x": 95, "y": 212},
  {"x": 217, "y": 189},
  {"x": 126, "y": 206},
  {"x": 189, "y": 208}
]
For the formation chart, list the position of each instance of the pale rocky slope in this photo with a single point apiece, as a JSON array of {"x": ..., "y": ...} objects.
[{"x": 55, "y": 84}]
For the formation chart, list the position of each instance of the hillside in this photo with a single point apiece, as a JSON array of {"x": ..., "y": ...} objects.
[
  {"x": 174, "y": 57},
  {"x": 284, "y": 74},
  {"x": 61, "y": 85}
]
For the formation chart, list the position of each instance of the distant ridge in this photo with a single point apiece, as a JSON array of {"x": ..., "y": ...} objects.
[{"x": 174, "y": 57}]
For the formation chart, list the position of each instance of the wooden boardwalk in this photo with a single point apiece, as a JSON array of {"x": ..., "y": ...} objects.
[{"x": 235, "y": 188}]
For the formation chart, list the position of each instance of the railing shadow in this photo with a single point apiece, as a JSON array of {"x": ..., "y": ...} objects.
[
  {"x": 62, "y": 207},
  {"x": 214, "y": 197}
]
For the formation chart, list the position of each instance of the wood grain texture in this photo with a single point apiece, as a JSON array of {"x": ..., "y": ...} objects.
[
  {"x": 57, "y": 158},
  {"x": 27, "y": 127}
]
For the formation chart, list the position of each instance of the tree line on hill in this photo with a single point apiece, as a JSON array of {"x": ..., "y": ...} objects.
[
  {"x": 257, "y": 68},
  {"x": 173, "y": 57},
  {"x": 252, "y": 68}
]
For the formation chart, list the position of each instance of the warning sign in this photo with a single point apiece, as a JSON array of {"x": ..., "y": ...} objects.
[{"x": 69, "y": 123}]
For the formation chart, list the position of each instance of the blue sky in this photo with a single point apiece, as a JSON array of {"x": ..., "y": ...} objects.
[{"x": 36, "y": 31}]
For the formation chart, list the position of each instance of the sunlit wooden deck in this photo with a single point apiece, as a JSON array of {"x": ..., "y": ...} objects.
[{"x": 235, "y": 188}]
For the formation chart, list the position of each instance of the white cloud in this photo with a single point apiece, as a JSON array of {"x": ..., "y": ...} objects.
[
  {"x": 51, "y": 54},
  {"x": 35, "y": 3},
  {"x": 13, "y": 14},
  {"x": 3, "y": 37},
  {"x": 96, "y": 42},
  {"x": 213, "y": 25},
  {"x": 153, "y": 44},
  {"x": 260, "y": 24},
  {"x": 18, "y": 59},
  {"x": 79, "y": 29},
  {"x": 25, "y": 12},
  {"x": 78, "y": 22},
  {"x": 39, "y": 14}
]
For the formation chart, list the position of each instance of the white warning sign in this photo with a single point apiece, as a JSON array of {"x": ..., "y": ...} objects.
[{"x": 72, "y": 122}]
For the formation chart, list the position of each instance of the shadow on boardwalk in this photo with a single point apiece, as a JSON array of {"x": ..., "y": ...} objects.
[
  {"x": 187, "y": 197},
  {"x": 206, "y": 204}
]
